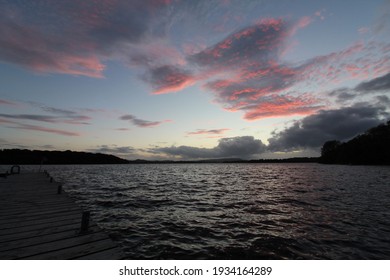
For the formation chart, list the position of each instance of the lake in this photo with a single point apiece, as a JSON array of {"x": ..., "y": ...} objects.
[{"x": 237, "y": 211}]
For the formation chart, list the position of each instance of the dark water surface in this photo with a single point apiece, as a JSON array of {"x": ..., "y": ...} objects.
[{"x": 238, "y": 211}]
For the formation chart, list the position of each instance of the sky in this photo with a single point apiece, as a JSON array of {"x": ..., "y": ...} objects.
[{"x": 179, "y": 80}]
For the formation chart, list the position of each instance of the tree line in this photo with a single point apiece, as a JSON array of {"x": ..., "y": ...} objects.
[
  {"x": 24, "y": 156},
  {"x": 371, "y": 148}
]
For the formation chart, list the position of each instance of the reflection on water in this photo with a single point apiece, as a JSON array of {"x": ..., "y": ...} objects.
[{"x": 238, "y": 211}]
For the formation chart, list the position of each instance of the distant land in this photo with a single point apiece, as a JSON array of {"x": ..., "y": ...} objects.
[
  {"x": 369, "y": 148},
  {"x": 18, "y": 156},
  {"x": 34, "y": 157}
]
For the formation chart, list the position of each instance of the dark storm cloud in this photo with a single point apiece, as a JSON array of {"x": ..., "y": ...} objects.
[
  {"x": 241, "y": 146},
  {"x": 383, "y": 99},
  {"x": 339, "y": 124},
  {"x": 375, "y": 85},
  {"x": 343, "y": 94},
  {"x": 378, "y": 84}
]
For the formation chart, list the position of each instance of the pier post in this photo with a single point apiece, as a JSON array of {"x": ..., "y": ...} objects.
[
  {"x": 85, "y": 222},
  {"x": 59, "y": 189}
]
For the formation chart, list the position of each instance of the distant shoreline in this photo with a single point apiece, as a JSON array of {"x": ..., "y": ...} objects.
[{"x": 38, "y": 157}]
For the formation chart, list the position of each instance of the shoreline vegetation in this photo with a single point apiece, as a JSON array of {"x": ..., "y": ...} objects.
[
  {"x": 369, "y": 148},
  {"x": 37, "y": 157}
]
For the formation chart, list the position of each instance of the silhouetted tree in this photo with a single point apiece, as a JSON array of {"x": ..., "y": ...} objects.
[
  {"x": 17, "y": 156},
  {"x": 371, "y": 147},
  {"x": 329, "y": 147}
]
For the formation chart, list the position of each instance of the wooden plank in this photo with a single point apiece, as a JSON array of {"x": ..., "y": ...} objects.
[
  {"x": 25, "y": 242},
  {"x": 11, "y": 224},
  {"x": 102, "y": 255},
  {"x": 51, "y": 215},
  {"x": 30, "y": 211},
  {"x": 38, "y": 223},
  {"x": 75, "y": 241},
  {"x": 74, "y": 252},
  {"x": 34, "y": 227},
  {"x": 41, "y": 232}
]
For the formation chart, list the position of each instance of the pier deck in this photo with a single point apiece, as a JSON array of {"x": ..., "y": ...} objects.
[{"x": 39, "y": 221}]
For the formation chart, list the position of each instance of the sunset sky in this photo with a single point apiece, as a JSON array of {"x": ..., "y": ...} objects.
[{"x": 171, "y": 79}]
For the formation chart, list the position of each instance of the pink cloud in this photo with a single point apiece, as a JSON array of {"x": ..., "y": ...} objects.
[
  {"x": 320, "y": 14},
  {"x": 301, "y": 23},
  {"x": 73, "y": 65},
  {"x": 77, "y": 36},
  {"x": 49, "y": 130},
  {"x": 209, "y": 131},
  {"x": 6, "y": 121},
  {"x": 7, "y": 102},
  {"x": 29, "y": 47},
  {"x": 363, "y": 30},
  {"x": 17, "y": 125},
  {"x": 250, "y": 43},
  {"x": 278, "y": 106},
  {"x": 260, "y": 82},
  {"x": 168, "y": 78},
  {"x": 174, "y": 83},
  {"x": 359, "y": 61}
]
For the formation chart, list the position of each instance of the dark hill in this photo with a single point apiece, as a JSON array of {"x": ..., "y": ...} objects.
[
  {"x": 372, "y": 147},
  {"x": 17, "y": 156}
]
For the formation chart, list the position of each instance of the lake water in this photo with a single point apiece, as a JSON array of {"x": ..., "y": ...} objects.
[{"x": 237, "y": 211}]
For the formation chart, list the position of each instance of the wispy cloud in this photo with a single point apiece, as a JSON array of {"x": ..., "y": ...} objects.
[
  {"x": 208, "y": 132},
  {"x": 140, "y": 122},
  {"x": 57, "y": 116},
  {"x": 7, "y": 102},
  {"x": 73, "y": 119},
  {"x": 43, "y": 129}
]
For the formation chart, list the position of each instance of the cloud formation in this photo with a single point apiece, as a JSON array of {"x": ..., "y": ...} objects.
[
  {"x": 241, "y": 146},
  {"x": 7, "y": 102},
  {"x": 167, "y": 78},
  {"x": 114, "y": 150},
  {"x": 73, "y": 37},
  {"x": 341, "y": 124},
  {"x": 243, "y": 66},
  {"x": 72, "y": 118},
  {"x": 140, "y": 122},
  {"x": 209, "y": 132},
  {"x": 18, "y": 125},
  {"x": 378, "y": 84},
  {"x": 56, "y": 117}
]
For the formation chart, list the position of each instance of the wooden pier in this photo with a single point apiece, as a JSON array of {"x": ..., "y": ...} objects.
[{"x": 39, "y": 221}]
